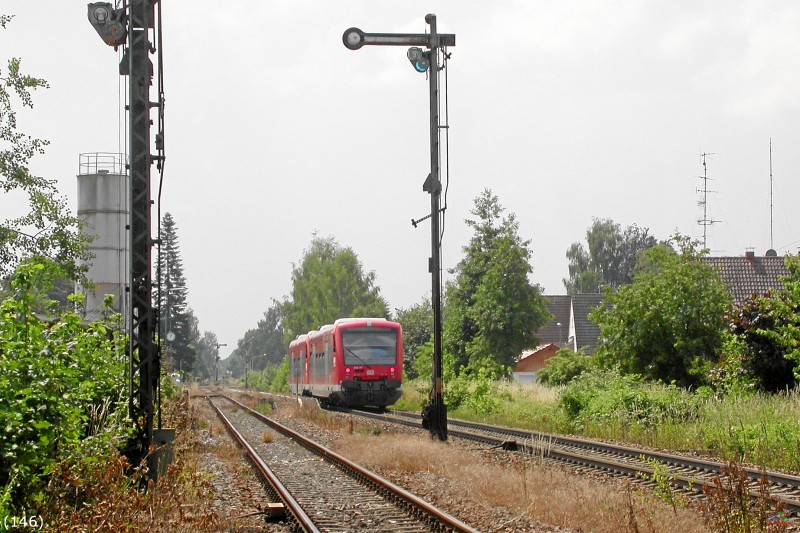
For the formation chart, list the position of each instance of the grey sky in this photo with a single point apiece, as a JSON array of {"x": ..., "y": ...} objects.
[{"x": 567, "y": 110}]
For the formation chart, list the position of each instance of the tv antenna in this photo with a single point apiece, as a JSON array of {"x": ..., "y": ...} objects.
[
  {"x": 705, "y": 221},
  {"x": 771, "y": 221}
]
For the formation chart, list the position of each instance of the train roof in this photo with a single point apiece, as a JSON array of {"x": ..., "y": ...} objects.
[
  {"x": 351, "y": 320},
  {"x": 299, "y": 339}
]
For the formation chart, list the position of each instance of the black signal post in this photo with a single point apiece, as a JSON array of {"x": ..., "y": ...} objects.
[
  {"x": 434, "y": 415},
  {"x": 129, "y": 26}
]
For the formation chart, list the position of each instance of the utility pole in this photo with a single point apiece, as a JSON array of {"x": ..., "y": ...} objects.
[
  {"x": 434, "y": 414},
  {"x": 130, "y": 27}
]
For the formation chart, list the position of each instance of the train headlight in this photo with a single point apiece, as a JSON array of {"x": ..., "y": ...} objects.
[{"x": 348, "y": 370}]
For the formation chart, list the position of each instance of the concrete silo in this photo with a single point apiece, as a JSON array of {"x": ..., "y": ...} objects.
[{"x": 104, "y": 204}]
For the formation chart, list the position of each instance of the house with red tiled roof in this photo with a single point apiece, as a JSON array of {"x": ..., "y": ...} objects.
[{"x": 750, "y": 274}]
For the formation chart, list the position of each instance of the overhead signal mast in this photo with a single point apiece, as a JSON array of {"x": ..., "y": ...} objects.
[
  {"x": 705, "y": 221},
  {"x": 130, "y": 26},
  {"x": 434, "y": 414}
]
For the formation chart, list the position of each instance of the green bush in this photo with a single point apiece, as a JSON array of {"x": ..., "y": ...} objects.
[
  {"x": 564, "y": 366},
  {"x": 611, "y": 398},
  {"x": 52, "y": 376},
  {"x": 274, "y": 378}
]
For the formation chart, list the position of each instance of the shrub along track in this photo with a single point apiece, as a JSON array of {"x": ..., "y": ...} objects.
[
  {"x": 322, "y": 490},
  {"x": 693, "y": 476}
]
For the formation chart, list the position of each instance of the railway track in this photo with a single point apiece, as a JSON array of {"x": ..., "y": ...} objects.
[
  {"x": 321, "y": 490},
  {"x": 690, "y": 475}
]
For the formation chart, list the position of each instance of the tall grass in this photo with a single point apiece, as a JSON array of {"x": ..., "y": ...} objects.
[{"x": 754, "y": 428}]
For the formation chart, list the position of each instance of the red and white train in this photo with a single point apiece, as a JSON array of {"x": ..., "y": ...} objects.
[{"x": 354, "y": 362}]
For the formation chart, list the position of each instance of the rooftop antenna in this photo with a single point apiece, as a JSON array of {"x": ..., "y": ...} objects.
[
  {"x": 705, "y": 221},
  {"x": 771, "y": 247}
]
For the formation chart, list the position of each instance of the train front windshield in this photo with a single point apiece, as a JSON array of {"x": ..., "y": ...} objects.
[{"x": 369, "y": 346}]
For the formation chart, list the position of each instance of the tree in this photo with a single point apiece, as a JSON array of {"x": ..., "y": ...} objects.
[
  {"x": 788, "y": 307},
  {"x": 206, "y": 360},
  {"x": 769, "y": 328},
  {"x": 492, "y": 310},
  {"x": 48, "y": 229},
  {"x": 669, "y": 323},
  {"x": 610, "y": 259},
  {"x": 174, "y": 315},
  {"x": 763, "y": 358},
  {"x": 330, "y": 283},
  {"x": 263, "y": 346},
  {"x": 417, "y": 323}
]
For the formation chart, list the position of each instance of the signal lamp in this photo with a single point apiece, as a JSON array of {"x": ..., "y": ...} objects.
[
  {"x": 419, "y": 59},
  {"x": 108, "y": 22}
]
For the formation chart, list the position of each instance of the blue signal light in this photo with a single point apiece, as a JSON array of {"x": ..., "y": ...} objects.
[{"x": 419, "y": 59}]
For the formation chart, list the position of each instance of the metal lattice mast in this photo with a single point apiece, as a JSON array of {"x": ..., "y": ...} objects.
[
  {"x": 143, "y": 350},
  {"x": 131, "y": 24}
]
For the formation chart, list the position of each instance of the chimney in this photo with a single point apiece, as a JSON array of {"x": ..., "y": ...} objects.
[{"x": 749, "y": 255}]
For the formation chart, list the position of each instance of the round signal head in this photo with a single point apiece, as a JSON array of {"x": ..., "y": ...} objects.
[
  {"x": 353, "y": 38},
  {"x": 101, "y": 14},
  {"x": 418, "y": 59}
]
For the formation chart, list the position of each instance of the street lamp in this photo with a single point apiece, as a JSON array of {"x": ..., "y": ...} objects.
[{"x": 434, "y": 414}]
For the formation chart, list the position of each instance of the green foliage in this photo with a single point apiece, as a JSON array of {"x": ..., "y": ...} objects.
[
  {"x": 262, "y": 347},
  {"x": 417, "y": 323},
  {"x": 755, "y": 427},
  {"x": 329, "y": 283},
  {"x": 610, "y": 260},
  {"x": 564, "y": 366},
  {"x": 274, "y": 378},
  {"x": 769, "y": 329},
  {"x": 668, "y": 324},
  {"x": 280, "y": 380},
  {"x": 756, "y": 441},
  {"x": 729, "y": 376},
  {"x": 423, "y": 362},
  {"x": 788, "y": 332},
  {"x": 169, "y": 390},
  {"x": 477, "y": 391},
  {"x": 663, "y": 482},
  {"x": 47, "y": 229},
  {"x": 51, "y": 374},
  {"x": 610, "y": 397},
  {"x": 179, "y": 354},
  {"x": 492, "y": 310},
  {"x": 207, "y": 352}
]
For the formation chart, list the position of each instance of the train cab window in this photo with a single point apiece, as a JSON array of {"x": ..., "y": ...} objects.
[{"x": 369, "y": 346}]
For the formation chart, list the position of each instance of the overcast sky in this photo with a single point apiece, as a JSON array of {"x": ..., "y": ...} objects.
[{"x": 566, "y": 110}]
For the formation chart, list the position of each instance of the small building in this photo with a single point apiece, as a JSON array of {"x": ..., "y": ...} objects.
[
  {"x": 532, "y": 361},
  {"x": 570, "y": 328}
]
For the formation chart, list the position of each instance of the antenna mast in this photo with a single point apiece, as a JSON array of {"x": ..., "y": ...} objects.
[
  {"x": 771, "y": 221},
  {"x": 705, "y": 221}
]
